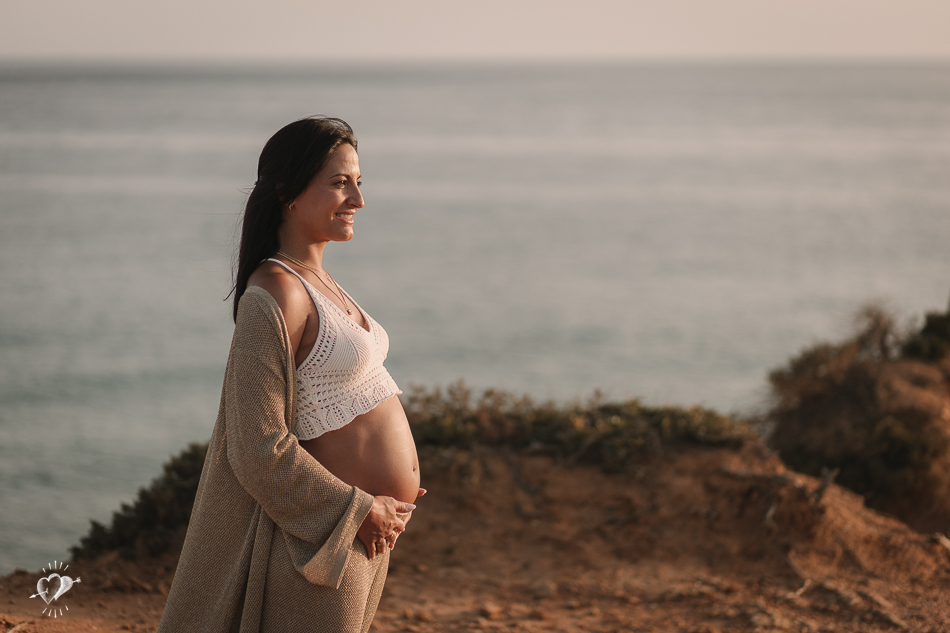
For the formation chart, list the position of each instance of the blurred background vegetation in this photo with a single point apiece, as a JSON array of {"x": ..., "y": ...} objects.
[{"x": 877, "y": 406}]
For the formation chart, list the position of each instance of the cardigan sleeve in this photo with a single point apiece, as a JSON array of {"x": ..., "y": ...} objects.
[{"x": 302, "y": 497}]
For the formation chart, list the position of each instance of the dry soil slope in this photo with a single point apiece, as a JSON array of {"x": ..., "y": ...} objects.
[{"x": 697, "y": 539}]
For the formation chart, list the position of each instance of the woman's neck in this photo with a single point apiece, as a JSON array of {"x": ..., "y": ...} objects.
[{"x": 309, "y": 254}]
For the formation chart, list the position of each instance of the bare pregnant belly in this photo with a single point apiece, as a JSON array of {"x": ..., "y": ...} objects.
[{"x": 375, "y": 452}]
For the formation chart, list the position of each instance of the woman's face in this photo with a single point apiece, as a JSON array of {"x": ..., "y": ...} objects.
[{"x": 324, "y": 210}]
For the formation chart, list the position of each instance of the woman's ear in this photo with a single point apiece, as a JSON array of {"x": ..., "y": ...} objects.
[{"x": 290, "y": 205}]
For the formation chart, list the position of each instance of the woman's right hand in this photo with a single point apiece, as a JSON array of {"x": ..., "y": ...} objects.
[{"x": 386, "y": 518}]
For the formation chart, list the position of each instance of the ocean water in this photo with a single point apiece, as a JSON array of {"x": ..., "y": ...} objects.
[{"x": 668, "y": 232}]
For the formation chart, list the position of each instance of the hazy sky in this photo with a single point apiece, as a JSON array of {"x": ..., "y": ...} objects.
[{"x": 126, "y": 30}]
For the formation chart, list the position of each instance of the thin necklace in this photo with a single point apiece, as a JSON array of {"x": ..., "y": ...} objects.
[{"x": 338, "y": 292}]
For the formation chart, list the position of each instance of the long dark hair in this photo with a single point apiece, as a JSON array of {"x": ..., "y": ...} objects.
[{"x": 289, "y": 161}]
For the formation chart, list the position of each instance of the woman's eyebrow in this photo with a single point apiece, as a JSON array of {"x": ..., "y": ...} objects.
[{"x": 344, "y": 175}]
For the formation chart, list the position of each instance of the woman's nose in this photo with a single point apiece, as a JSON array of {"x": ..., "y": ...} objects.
[{"x": 357, "y": 197}]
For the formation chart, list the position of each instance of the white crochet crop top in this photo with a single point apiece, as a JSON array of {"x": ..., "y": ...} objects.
[{"x": 343, "y": 376}]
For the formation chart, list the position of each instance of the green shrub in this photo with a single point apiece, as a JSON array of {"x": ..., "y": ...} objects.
[
  {"x": 156, "y": 521},
  {"x": 608, "y": 434}
]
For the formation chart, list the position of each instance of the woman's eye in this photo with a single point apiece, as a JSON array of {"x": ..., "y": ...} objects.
[{"x": 359, "y": 183}]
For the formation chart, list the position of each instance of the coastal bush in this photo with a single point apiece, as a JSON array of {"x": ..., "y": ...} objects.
[
  {"x": 876, "y": 406},
  {"x": 609, "y": 434},
  {"x": 932, "y": 342},
  {"x": 157, "y": 520}
]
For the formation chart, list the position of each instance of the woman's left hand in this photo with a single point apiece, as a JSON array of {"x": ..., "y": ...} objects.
[{"x": 405, "y": 516}]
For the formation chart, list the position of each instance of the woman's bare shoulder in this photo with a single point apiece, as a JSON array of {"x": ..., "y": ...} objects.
[{"x": 289, "y": 293}]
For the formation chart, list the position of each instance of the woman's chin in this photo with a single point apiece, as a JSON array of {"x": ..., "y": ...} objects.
[{"x": 344, "y": 236}]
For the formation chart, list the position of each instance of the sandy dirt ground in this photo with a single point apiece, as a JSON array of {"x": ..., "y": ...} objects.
[{"x": 698, "y": 540}]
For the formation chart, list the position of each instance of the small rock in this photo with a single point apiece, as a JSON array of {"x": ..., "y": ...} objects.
[
  {"x": 424, "y": 616},
  {"x": 490, "y": 610},
  {"x": 760, "y": 619},
  {"x": 539, "y": 614},
  {"x": 570, "y": 587},
  {"x": 420, "y": 615},
  {"x": 545, "y": 589},
  {"x": 729, "y": 612}
]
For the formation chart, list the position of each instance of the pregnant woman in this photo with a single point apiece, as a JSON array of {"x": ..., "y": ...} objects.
[{"x": 311, "y": 471}]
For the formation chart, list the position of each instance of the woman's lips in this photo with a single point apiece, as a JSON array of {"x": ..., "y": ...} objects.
[{"x": 346, "y": 217}]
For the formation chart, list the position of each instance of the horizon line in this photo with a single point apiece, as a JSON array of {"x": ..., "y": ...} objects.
[{"x": 241, "y": 63}]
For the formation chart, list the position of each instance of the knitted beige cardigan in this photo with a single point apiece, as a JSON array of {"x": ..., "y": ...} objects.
[{"x": 271, "y": 544}]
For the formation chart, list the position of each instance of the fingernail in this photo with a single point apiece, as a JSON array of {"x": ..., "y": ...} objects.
[{"x": 411, "y": 506}]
